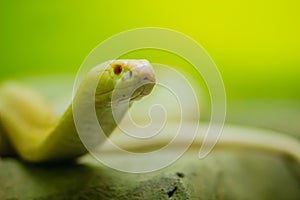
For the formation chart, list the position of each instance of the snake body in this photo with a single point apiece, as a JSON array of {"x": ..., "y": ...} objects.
[{"x": 30, "y": 129}]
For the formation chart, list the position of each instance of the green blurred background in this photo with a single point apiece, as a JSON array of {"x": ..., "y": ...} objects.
[{"x": 255, "y": 44}]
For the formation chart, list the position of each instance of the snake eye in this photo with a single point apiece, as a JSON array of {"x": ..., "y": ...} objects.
[{"x": 117, "y": 69}]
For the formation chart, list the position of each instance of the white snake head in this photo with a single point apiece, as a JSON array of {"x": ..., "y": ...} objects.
[
  {"x": 135, "y": 79},
  {"x": 123, "y": 81}
]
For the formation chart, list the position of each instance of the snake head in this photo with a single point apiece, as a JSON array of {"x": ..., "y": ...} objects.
[
  {"x": 134, "y": 79},
  {"x": 119, "y": 81}
]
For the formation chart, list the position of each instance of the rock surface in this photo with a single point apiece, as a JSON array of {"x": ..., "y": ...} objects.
[{"x": 224, "y": 174}]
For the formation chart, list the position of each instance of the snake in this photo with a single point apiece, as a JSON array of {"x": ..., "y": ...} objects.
[{"x": 32, "y": 131}]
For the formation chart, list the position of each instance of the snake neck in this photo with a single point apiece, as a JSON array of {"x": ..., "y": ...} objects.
[{"x": 37, "y": 134}]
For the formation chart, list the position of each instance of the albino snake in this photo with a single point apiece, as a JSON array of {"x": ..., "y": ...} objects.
[{"x": 31, "y": 130}]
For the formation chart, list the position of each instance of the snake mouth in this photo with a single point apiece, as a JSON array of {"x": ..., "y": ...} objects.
[
  {"x": 130, "y": 93},
  {"x": 142, "y": 91}
]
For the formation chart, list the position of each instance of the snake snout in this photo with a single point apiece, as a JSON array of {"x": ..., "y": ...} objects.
[
  {"x": 145, "y": 71},
  {"x": 146, "y": 78}
]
